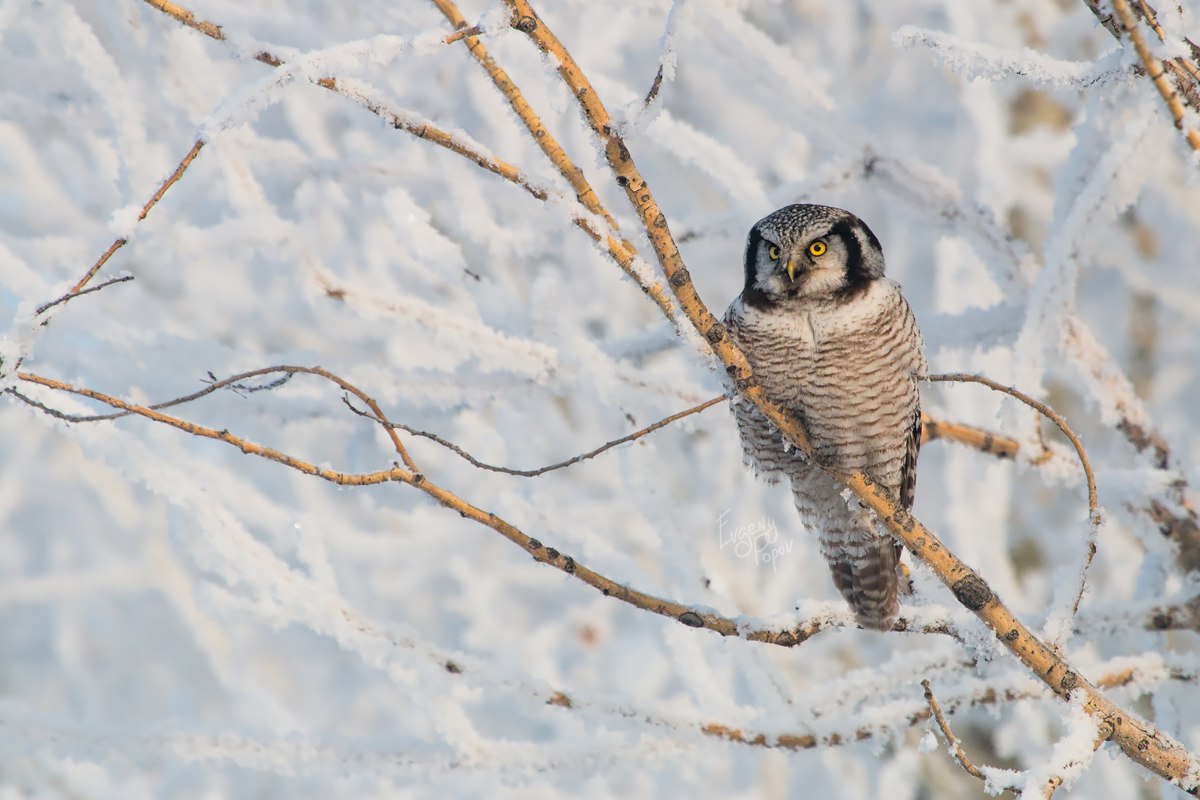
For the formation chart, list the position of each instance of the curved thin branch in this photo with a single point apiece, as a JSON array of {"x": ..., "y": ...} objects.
[
  {"x": 533, "y": 473},
  {"x": 959, "y": 754},
  {"x": 78, "y": 292},
  {"x": 1094, "y": 517},
  {"x": 233, "y": 382}
]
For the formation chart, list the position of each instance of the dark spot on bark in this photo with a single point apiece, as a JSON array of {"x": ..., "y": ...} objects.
[
  {"x": 680, "y": 278},
  {"x": 526, "y": 25},
  {"x": 622, "y": 180},
  {"x": 623, "y": 151},
  {"x": 570, "y": 566},
  {"x": 972, "y": 591},
  {"x": 552, "y": 553},
  {"x": 418, "y": 479},
  {"x": 715, "y": 334},
  {"x": 919, "y": 542},
  {"x": 660, "y": 221},
  {"x": 903, "y": 519},
  {"x": 1069, "y": 681},
  {"x": 604, "y": 592},
  {"x": 743, "y": 384},
  {"x": 1143, "y": 745},
  {"x": 534, "y": 544},
  {"x": 1012, "y": 635},
  {"x": 785, "y": 639},
  {"x": 691, "y": 619}
]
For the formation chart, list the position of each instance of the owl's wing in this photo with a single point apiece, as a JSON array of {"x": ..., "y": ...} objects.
[
  {"x": 908, "y": 490},
  {"x": 908, "y": 473}
]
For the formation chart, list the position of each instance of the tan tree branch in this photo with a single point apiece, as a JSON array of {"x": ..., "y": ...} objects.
[
  {"x": 1140, "y": 740},
  {"x": 686, "y": 614}
]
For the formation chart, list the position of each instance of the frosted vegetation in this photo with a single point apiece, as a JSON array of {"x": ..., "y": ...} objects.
[{"x": 178, "y": 618}]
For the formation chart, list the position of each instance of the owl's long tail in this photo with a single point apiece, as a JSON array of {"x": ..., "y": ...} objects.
[{"x": 865, "y": 570}]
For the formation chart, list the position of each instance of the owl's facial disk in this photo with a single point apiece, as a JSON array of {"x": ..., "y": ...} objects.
[
  {"x": 809, "y": 252},
  {"x": 800, "y": 267}
]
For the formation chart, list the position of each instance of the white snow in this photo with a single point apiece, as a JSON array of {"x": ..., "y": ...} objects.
[{"x": 180, "y": 618}]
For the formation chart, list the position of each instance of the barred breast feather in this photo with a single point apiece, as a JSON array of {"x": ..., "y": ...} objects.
[{"x": 849, "y": 371}]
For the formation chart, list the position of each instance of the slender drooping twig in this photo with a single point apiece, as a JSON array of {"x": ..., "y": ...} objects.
[
  {"x": 1094, "y": 517},
  {"x": 77, "y": 292},
  {"x": 1140, "y": 740},
  {"x": 233, "y": 382},
  {"x": 533, "y": 473},
  {"x": 959, "y": 754}
]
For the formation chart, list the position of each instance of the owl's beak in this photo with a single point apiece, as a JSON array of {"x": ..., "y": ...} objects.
[{"x": 791, "y": 269}]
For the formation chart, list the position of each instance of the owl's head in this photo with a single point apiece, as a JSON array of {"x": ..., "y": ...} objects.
[{"x": 813, "y": 252}]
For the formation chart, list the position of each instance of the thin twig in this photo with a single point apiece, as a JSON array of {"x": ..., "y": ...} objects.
[
  {"x": 233, "y": 382},
  {"x": 461, "y": 33},
  {"x": 1141, "y": 741},
  {"x": 44, "y": 307},
  {"x": 1094, "y": 517},
  {"x": 533, "y": 473},
  {"x": 959, "y": 755},
  {"x": 184, "y": 163}
]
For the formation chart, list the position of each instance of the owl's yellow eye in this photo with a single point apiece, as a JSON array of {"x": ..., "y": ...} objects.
[
  {"x": 817, "y": 248},
  {"x": 773, "y": 252}
]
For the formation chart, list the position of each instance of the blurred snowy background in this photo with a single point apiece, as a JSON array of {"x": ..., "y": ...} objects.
[{"x": 180, "y": 620}]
